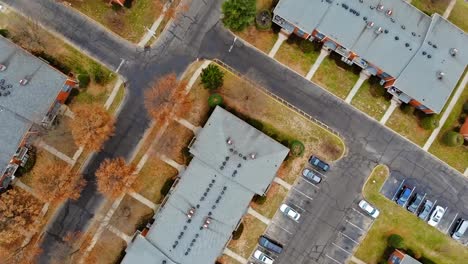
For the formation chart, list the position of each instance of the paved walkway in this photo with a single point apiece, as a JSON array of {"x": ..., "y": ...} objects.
[
  {"x": 56, "y": 153},
  {"x": 323, "y": 54},
  {"x": 446, "y": 113},
  {"x": 235, "y": 256},
  {"x": 282, "y": 183},
  {"x": 120, "y": 234},
  {"x": 259, "y": 216},
  {"x": 466, "y": 172},
  {"x": 151, "y": 32},
  {"x": 356, "y": 260},
  {"x": 362, "y": 78},
  {"x": 187, "y": 124},
  {"x": 393, "y": 105},
  {"x": 25, "y": 187},
  {"x": 113, "y": 94},
  {"x": 281, "y": 38},
  {"x": 143, "y": 200},
  {"x": 195, "y": 75},
  {"x": 173, "y": 163},
  {"x": 449, "y": 8}
]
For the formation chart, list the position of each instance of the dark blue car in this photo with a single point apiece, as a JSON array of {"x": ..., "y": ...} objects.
[
  {"x": 319, "y": 163},
  {"x": 404, "y": 196}
]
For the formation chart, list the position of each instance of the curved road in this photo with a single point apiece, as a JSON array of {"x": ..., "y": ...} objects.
[{"x": 198, "y": 33}]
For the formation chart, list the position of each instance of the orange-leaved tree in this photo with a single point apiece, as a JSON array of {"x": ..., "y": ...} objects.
[
  {"x": 114, "y": 176},
  {"x": 166, "y": 93},
  {"x": 92, "y": 126},
  {"x": 55, "y": 182}
]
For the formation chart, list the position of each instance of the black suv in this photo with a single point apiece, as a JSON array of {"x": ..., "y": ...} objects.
[{"x": 270, "y": 244}]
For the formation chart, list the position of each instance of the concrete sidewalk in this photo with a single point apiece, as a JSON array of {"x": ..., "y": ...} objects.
[
  {"x": 259, "y": 216},
  {"x": 235, "y": 256}
]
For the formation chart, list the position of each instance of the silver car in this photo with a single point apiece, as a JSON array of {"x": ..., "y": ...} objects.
[{"x": 311, "y": 176}]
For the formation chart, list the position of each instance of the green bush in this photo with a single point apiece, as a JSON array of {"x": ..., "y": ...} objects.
[
  {"x": 238, "y": 14},
  {"x": 407, "y": 109},
  {"x": 167, "y": 186},
  {"x": 377, "y": 90},
  {"x": 4, "y": 32},
  {"x": 214, "y": 100},
  {"x": 306, "y": 46},
  {"x": 58, "y": 64},
  {"x": 263, "y": 20},
  {"x": 465, "y": 107},
  {"x": 453, "y": 139},
  {"x": 238, "y": 232},
  {"x": 100, "y": 76},
  {"x": 297, "y": 148},
  {"x": 430, "y": 122},
  {"x": 212, "y": 77},
  {"x": 395, "y": 241},
  {"x": 259, "y": 199},
  {"x": 462, "y": 118},
  {"x": 29, "y": 163},
  {"x": 84, "y": 80}
]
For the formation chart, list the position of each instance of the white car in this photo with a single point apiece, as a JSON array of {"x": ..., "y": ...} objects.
[
  {"x": 262, "y": 257},
  {"x": 291, "y": 213},
  {"x": 369, "y": 209},
  {"x": 436, "y": 215}
]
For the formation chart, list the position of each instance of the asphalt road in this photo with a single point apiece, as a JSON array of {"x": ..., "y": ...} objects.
[{"x": 200, "y": 34}]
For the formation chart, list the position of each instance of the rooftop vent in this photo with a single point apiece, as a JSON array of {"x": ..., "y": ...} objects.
[
  {"x": 229, "y": 141},
  {"x": 2, "y": 67},
  {"x": 23, "y": 82},
  {"x": 207, "y": 222},
  {"x": 379, "y": 30},
  {"x": 370, "y": 24},
  {"x": 453, "y": 52},
  {"x": 380, "y": 7},
  {"x": 253, "y": 155},
  {"x": 389, "y": 12},
  {"x": 440, "y": 75},
  {"x": 190, "y": 212}
]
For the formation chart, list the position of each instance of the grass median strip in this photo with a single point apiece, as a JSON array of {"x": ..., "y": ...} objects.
[{"x": 420, "y": 238}]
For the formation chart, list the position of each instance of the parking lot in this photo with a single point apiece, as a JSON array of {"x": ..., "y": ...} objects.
[{"x": 392, "y": 189}]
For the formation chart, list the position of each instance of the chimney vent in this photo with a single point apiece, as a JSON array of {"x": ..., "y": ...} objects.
[
  {"x": 253, "y": 155},
  {"x": 379, "y": 30},
  {"x": 380, "y": 7},
  {"x": 440, "y": 75},
  {"x": 229, "y": 141},
  {"x": 370, "y": 24},
  {"x": 2, "y": 67},
  {"x": 23, "y": 82},
  {"x": 453, "y": 52},
  {"x": 389, "y": 12}
]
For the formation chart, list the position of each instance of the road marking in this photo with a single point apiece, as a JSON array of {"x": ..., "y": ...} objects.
[
  {"x": 359, "y": 212},
  {"x": 232, "y": 45},
  {"x": 282, "y": 228},
  {"x": 302, "y": 193},
  {"x": 355, "y": 226},
  {"x": 122, "y": 61},
  {"x": 399, "y": 188},
  {"x": 304, "y": 180},
  {"x": 299, "y": 207},
  {"x": 451, "y": 223},
  {"x": 333, "y": 259},
  {"x": 342, "y": 248},
  {"x": 349, "y": 237}
]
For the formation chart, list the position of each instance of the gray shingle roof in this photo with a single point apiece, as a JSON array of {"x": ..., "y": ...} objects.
[
  {"x": 212, "y": 192},
  {"x": 24, "y": 105},
  {"x": 397, "y": 49}
]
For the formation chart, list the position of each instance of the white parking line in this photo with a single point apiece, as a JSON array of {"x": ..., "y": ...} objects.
[
  {"x": 349, "y": 237},
  {"x": 342, "y": 248},
  {"x": 281, "y": 228},
  {"x": 302, "y": 193},
  {"x": 310, "y": 183},
  {"x": 333, "y": 259},
  {"x": 299, "y": 207},
  {"x": 321, "y": 174},
  {"x": 358, "y": 212},
  {"x": 355, "y": 226},
  {"x": 451, "y": 223}
]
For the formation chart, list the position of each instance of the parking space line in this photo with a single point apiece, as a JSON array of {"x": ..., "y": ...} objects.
[
  {"x": 355, "y": 226},
  {"x": 321, "y": 174},
  {"x": 342, "y": 248},
  {"x": 311, "y": 183},
  {"x": 302, "y": 193},
  {"x": 399, "y": 188},
  {"x": 333, "y": 259},
  {"x": 451, "y": 223},
  {"x": 359, "y": 212},
  {"x": 349, "y": 237},
  {"x": 281, "y": 228},
  {"x": 299, "y": 207}
]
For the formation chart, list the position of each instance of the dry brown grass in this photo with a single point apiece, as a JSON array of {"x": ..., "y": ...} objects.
[
  {"x": 108, "y": 249},
  {"x": 262, "y": 40},
  {"x": 225, "y": 259},
  {"x": 130, "y": 215},
  {"x": 275, "y": 197},
  {"x": 60, "y": 137},
  {"x": 253, "y": 228},
  {"x": 174, "y": 141}
]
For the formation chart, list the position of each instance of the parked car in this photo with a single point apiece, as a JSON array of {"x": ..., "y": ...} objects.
[
  {"x": 415, "y": 203},
  {"x": 404, "y": 196},
  {"x": 262, "y": 257},
  {"x": 460, "y": 228},
  {"x": 311, "y": 176},
  {"x": 436, "y": 216},
  {"x": 270, "y": 244},
  {"x": 313, "y": 160},
  {"x": 291, "y": 213},
  {"x": 426, "y": 209},
  {"x": 369, "y": 209}
]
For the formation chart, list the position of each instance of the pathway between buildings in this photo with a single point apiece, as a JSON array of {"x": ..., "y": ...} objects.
[
  {"x": 120, "y": 234},
  {"x": 356, "y": 260},
  {"x": 281, "y": 38},
  {"x": 259, "y": 216},
  {"x": 235, "y": 256},
  {"x": 282, "y": 183},
  {"x": 56, "y": 153},
  {"x": 393, "y": 105},
  {"x": 449, "y": 8},
  {"x": 143, "y": 200}
]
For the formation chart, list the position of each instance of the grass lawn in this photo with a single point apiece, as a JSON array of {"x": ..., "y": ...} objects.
[
  {"x": 421, "y": 238},
  {"x": 369, "y": 101},
  {"x": 225, "y": 259},
  {"x": 253, "y": 228},
  {"x": 459, "y": 13},
  {"x": 118, "y": 100},
  {"x": 276, "y": 119},
  {"x": 108, "y": 250},
  {"x": 431, "y": 6},
  {"x": 407, "y": 125},
  {"x": 60, "y": 136},
  {"x": 275, "y": 197},
  {"x": 457, "y": 157},
  {"x": 128, "y": 23},
  {"x": 291, "y": 55},
  {"x": 42, "y": 156},
  {"x": 130, "y": 215},
  {"x": 336, "y": 76},
  {"x": 174, "y": 142},
  {"x": 152, "y": 177}
]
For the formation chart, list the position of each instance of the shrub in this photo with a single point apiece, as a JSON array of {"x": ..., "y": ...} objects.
[
  {"x": 238, "y": 232},
  {"x": 4, "y": 32},
  {"x": 167, "y": 186},
  {"x": 407, "y": 109},
  {"x": 238, "y": 14},
  {"x": 395, "y": 241},
  {"x": 214, "y": 100},
  {"x": 84, "y": 79},
  {"x": 430, "y": 122},
  {"x": 377, "y": 90},
  {"x": 212, "y": 77},
  {"x": 297, "y": 148},
  {"x": 263, "y": 20},
  {"x": 53, "y": 61},
  {"x": 306, "y": 46},
  {"x": 99, "y": 74},
  {"x": 465, "y": 107},
  {"x": 259, "y": 199},
  {"x": 453, "y": 139},
  {"x": 29, "y": 164},
  {"x": 462, "y": 118}
]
